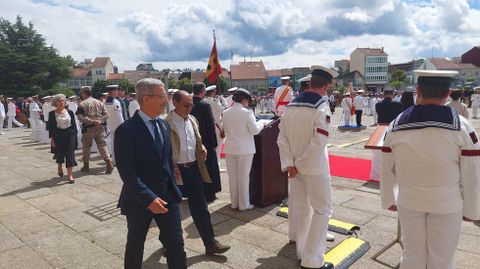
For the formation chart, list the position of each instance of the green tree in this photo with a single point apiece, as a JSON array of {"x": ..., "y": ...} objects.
[
  {"x": 262, "y": 90},
  {"x": 27, "y": 64},
  {"x": 126, "y": 85},
  {"x": 185, "y": 84},
  {"x": 398, "y": 79},
  {"x": 222, "y": 83},
  {"x": 56, "y": 90},
  {"x": 98, "y": 87}
]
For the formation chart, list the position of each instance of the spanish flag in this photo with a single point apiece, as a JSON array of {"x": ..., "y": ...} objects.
[{"x": 213, "y": 68}]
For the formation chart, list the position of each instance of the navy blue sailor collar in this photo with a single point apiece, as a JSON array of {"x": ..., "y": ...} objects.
[
  {"x": 424, "y": 116},
  {"x": 307, "y": 99}
]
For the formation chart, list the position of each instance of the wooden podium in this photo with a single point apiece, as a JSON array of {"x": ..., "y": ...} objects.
[
  {"x": 376, "y": 139},
  {"x": 268, "y": 184}
]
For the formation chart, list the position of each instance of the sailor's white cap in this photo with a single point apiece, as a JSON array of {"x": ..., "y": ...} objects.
[
  {"x": 285, "y": 78},
  {"x": 233, "y": 89},
  {"x": 306, "y": 78},
  {"x": 172, "y": 90},
  {"x": 211, "y": 88}
]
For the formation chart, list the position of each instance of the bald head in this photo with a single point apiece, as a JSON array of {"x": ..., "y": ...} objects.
[{"x": 179, "y": 95}]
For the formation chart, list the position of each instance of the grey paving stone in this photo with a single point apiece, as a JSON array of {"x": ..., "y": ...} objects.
[
  {"x": 383, "y": 223},
  {"x": 54, "y": 203},
  {"x": 12, "y": 205},
  {"x": 30, "y": 221},
  {"x": 62, "y": 246},
  {"x": 21, "y": 258},
  {"x": 351, "y": 215},
  {"x": 8, "y": 240},
  {"x": 80, "y": 219},
  {"x": 111, "y": 236},
  {"x": 261, "y": 237},
  {"x": 469, "y": 243}
]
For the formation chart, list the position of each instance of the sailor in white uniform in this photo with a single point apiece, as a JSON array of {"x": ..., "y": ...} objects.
[
  {"x": 217, "y": 110},
  {"x": 115, "y": 117},
  {"x": 303, "y": 153},
  {"x": 11, "y": 113},
  {"x": 282, "y": 97},
  {"x": 134, "y": 105},
  {"x": 346, "y": 105},
  {"x": 2, "y": 115},
  {"x": 229, "y": 99},
  {"x": 475, "y": 100},
  {"x": 46, "y": 108},
  {"x": 34, "y": 119},
  {"x": 431, "y": 174}
]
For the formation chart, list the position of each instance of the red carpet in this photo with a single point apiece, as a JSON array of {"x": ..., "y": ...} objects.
[{"x": 353, "y": 168}]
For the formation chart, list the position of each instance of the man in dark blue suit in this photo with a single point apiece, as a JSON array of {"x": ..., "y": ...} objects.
[
  {"x": 144, "y": 160},
  {"x": 388, "y": 110}
]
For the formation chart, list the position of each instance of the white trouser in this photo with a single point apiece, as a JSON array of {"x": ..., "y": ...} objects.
[
  {"x": 475, "y": 110},
  {"x": 429, "y": 240},
  {"x": 218, "y": 150},
  {"x": 238, "y": 170},
  {"x": 110, "y": 140},
  {"x": 35, "y": 134},
  {"x": 11, "y": 119},
  {"x": 346, "y": 117},
  {"x": 1, "y": 123},
  {"x": 375, "y": 170},
  {"x": 44, "y": 135},
  {"x": 375, "y": 117},
  {"x": 293, "y": 193},
  {"x": 314, "y": 194}
]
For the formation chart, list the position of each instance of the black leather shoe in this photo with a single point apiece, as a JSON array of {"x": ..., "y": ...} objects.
[
  {"x": 326, "y": 265},
  {"x": 216, "y": 248}
]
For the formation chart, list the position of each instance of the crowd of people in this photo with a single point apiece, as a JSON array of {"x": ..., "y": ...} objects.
[{"x": 166, "y": 146}]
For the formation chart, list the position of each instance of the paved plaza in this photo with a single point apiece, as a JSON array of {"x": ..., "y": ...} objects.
[{"x": 46, "y": 223}]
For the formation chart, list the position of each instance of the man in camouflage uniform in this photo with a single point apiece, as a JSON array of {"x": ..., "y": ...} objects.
[{"x": 93, "y": 114}]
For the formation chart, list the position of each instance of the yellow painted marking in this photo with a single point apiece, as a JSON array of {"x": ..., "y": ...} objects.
[
  {"x": 352, "y": 143},
  {"x": 343, "y": 250}
]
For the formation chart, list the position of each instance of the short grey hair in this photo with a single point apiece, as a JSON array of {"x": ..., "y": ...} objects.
[
  {"x": 145, "y": 87},
  {"x": 58, "y": 97}
]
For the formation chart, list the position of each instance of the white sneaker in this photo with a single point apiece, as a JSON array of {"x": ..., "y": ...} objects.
[
  {"x": 330, "y": 237},
  {"x": 2, "y": 133}
]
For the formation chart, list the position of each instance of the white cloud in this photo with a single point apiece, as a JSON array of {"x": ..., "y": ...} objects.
[{"x": 178, "y": 33}]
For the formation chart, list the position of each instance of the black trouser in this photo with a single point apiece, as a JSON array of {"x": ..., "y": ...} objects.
[
  {"x": 65, "y": 141},
  {"x": 193, "y": 190},
  {"x": 138, "y": 222},
  {"x": 358, "y": 114}
]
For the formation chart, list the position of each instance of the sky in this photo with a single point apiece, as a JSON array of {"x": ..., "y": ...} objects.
[{"x": 289, "y": 33}]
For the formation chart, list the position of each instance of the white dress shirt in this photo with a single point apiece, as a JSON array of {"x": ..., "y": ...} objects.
[
  {"x": 187, "y": 138},
  {"x": 2, "y": 111}
]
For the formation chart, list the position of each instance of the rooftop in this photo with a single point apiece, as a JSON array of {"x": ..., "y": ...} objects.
[
  {"x": 372, "y": 52},
  {"x": 101, "y": 61},
  {"x": 248, "y": 70}
]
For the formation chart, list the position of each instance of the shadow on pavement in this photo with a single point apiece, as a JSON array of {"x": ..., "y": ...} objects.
[
  {"x": 154, "y": 260},
  {"x": 36, "y": 185}
]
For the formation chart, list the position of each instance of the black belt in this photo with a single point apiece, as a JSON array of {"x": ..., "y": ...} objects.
[{"x": 186, "y": 165}]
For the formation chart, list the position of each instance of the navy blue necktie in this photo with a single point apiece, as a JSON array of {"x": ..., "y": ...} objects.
[{"x": 158, "y": 138}]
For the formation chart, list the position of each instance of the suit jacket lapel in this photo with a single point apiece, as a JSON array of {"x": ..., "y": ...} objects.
[{"x": 146, "y": 133}]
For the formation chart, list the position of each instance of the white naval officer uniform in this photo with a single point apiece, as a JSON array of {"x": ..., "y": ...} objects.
[
  {"x": 347, "y": 109},
  {"x": 475, "y": 99},
  {"x": 11, "y": 113},
  {"x": 302, "y": 143},
  {"x": 46, "y": 108},
  {"x": 279, "y": 105},
  {"x": 431, "y": 172},
  {"x": 115, "y": 118},
  {"x": 217, "y": 110},
  {"x": 2, "y": 117},
  {"x": 133, "y": 107},
  {"x": 240, "y": 126},
  {"x": 35, "y": 121}
]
